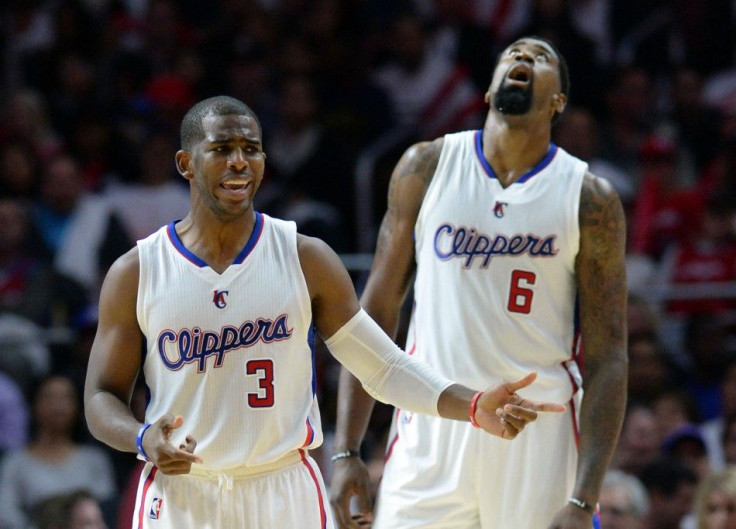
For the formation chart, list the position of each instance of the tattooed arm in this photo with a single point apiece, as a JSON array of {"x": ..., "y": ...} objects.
[
  {"x": 601, "y": 282},
  {"x": 389, "y": 280}
]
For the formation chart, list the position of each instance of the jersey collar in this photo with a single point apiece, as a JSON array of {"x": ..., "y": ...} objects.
[
  {"x": 191, "y": 257},
  {"x": 526, "y": 176}
]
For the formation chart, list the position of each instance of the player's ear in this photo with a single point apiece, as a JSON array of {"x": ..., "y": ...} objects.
[
  {"x": 559, "y": 102},
  {"x": 183, "y": 164}
]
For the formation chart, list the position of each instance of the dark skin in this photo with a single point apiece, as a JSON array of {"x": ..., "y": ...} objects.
[
  {"x": 224, "y": 170},
  {"x": 512, "y": 144}
]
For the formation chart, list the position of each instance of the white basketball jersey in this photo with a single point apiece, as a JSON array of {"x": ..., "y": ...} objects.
[
  {"x": 232, "y": 353},
  {"x": 495, "y": 293}
]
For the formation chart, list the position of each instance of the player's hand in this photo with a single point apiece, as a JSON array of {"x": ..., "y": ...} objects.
[
  {"x": 349, "y": 479},
  {"x": 167, "y": 457},
  {"x": 500, "y": 411},
  {"x": 571, "y": 517}
]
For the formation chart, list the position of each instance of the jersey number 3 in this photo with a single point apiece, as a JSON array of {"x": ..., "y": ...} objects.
[
  {"x": 264, "y": 370},
  {"x": 520, "y": 297}
]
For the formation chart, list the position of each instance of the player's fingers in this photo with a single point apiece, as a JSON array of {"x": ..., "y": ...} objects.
[
  {"x": 517, "y": 422},
  {"x": 540, "y": 406},
  {"x": 520, "y": 412},
  {"x": 509, "y": 430},
  {"x": 364, "y": 504},
  {"x": 168, "y": 423},
  {"x": 362, "y": 521},
  {"x": 345, "y": 519},
  {"x": 189, "y": 445},
  {"x": 176, "y": 468},
  {"x": 523, "y": 382},
  {"x": 186, "y": 456},
  {"x": 341, "y": 508},
  {"x": 337, "y": 510},
  {"x": 169, "y": 454},
  {"x": 178, "y": 421}
]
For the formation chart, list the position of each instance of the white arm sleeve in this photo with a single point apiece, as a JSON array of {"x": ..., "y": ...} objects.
[{"x": 387, "y": 373}]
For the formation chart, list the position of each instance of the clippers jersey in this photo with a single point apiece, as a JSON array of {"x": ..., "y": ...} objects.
[
  {"x": 232, "y": 352},
  {"x": 495, "y": 293}
]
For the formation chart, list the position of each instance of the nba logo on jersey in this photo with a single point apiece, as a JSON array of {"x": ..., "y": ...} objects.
[{"x": 155, "y": 508}]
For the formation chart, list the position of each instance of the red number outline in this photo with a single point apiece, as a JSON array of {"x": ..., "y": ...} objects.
[
  {"x": 517, "y": 291},
  {"x": 264, "y": 369}
]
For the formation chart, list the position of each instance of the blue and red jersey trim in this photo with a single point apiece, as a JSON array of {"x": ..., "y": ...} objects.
[
  {"x": 191, "y": 257},
  {"x": 526, "y": 176}
]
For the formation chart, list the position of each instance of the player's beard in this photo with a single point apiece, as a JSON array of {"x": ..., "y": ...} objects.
[{"x": 513, "y": 100}]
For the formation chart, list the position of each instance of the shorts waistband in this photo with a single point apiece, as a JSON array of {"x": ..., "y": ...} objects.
[{"x": 245, "y": 471}]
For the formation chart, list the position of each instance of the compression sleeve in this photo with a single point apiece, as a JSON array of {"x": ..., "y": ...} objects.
[{"x": 387, "y": 373}]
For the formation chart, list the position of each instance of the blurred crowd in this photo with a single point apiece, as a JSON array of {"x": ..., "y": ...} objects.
[{"x": 91, "y": 96}]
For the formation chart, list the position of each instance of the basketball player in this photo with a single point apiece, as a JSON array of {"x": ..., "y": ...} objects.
[
  {"x": 517, "y": 249},
  {"x": 225, "y": 300}
]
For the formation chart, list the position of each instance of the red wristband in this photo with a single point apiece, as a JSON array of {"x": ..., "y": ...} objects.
[{"x": 473, "y": 405}]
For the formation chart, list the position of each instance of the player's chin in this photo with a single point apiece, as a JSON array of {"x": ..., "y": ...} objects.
[{"x": 233, "y": 211}]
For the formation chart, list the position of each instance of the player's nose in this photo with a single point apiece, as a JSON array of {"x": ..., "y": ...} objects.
[{"x": 237, "y": 161}]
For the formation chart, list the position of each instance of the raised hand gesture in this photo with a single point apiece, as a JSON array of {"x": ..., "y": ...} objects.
[{"x": 501, "y": 412}]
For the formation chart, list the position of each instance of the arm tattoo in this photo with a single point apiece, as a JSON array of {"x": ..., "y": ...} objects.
[
  {"x": 601, "y": 260},
  {"x": 409, "y": 182},
  {"x": 601, "y": 279}
]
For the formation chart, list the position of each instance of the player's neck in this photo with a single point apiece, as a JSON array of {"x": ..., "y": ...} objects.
[
  {"x": 514, "y": 150},
  {"x": 216, "y": 242}
]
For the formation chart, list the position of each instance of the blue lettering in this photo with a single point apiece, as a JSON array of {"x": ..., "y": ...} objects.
[
  {"x": 440, "y": 254},
  {"x": 163, "y": 337},
  {"x": 468, "y": 243},
  {"x": 196, "y": 345},
  {"x": 480, "y": 247},
  {"x": 547, "y": 247}
]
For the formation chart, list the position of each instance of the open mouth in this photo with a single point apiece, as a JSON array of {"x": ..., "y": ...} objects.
[
  {"x": 236, "y": 188},
  {"x": 520, "y": 73},
  {"x": 235, "y": 185}
]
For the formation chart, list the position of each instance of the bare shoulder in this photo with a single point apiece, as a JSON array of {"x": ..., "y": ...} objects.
[
  {"x": 600, "y": 205},
  {"x": 126, "y": 268},
  {"x": 419, "y": 161},
  {"x": 120, "y": 287},
  {"x": 312, "y": 249},
  {"x": 422, "y": 157},
  {"x": 602, "y": 223},
  {"x": 330, "y": 288},
  {"x": 317, "y": 259},
  {"x": 409, "y": 182}
]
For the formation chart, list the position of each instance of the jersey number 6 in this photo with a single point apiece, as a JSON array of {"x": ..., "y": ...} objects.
[
  {"x": 264, "y": 370},
  {"x": 520, "y": 298}
]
